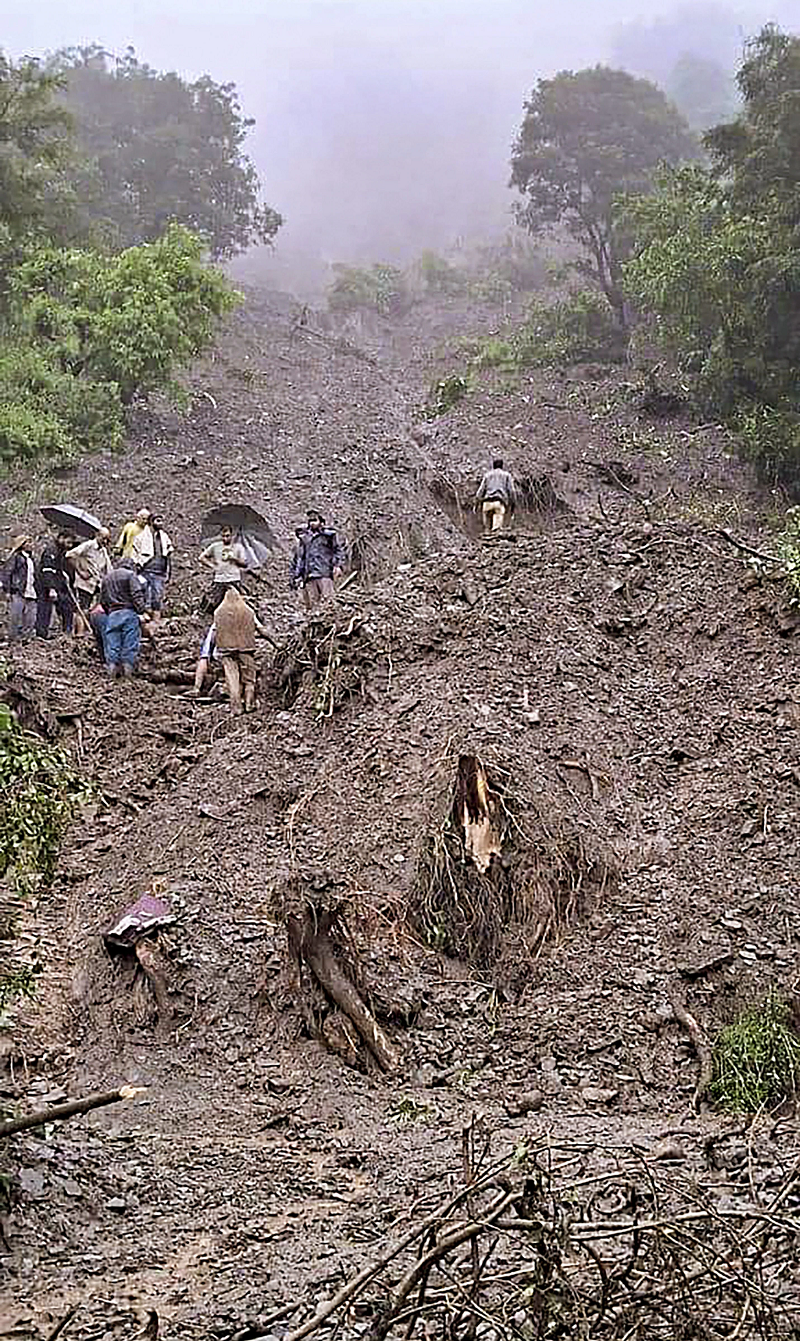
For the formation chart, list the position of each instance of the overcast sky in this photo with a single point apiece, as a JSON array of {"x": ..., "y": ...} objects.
[{"x": 383, "y": 126}]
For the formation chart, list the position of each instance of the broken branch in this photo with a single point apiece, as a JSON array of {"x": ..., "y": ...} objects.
[{"x": 59, "y": 1112}]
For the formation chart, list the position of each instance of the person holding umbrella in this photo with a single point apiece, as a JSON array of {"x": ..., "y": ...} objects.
[
  {"x": 52, "y": 587},
  {"x": 228, "y": 560},
  {"x": 18, "y": 581}
]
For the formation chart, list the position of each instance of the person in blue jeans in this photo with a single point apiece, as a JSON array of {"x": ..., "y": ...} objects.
[{"x": 122, "y": 596}]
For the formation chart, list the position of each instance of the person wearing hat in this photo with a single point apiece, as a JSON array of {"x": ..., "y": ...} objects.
[
  {"x": 19, "y": 583},
  {"x": 318, "y": 560}
]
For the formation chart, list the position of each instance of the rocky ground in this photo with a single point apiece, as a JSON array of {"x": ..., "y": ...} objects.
[{"x": 615, "y": 659}]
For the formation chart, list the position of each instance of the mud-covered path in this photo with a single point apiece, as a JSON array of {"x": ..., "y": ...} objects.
[{"x": 617, "y": 658}]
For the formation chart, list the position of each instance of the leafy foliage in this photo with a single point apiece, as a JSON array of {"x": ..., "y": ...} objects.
[
  {"x": 445, "y": 394},
  {"x": 586, "y": 138},
  {"x": 379, "y": 288},
  {"x": 89, "y": 332},
  {"x": 439, "y": 276},
  {"x": 160, "y": 150},
  {"x": 39, "y": 790},
  {"x": 756, "y": 1059},
  {"x": 788, "y": 549},
  {"x": 716, "y": 261},
  {"x": 579, "y": 328},
  {"x": 34, "y": 151}
]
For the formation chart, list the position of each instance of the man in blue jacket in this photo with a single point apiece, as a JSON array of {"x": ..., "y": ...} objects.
[{"x": 318, "y": 561}]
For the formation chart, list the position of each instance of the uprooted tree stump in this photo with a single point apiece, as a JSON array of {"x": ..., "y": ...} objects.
[
  {"x": 494, "y": 878},
  {"x": 326, "y": 984},
  {"x": 329, "y": 661}
]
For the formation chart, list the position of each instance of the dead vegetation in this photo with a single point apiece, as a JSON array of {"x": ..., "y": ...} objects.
[
  {"x": 495, "y": 879},
  {"x": 329, "y": 661},
  {"x": 577, "y": 1240}
]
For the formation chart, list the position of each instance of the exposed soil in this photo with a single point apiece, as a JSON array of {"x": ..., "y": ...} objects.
[{"x": 613, "y": 660}]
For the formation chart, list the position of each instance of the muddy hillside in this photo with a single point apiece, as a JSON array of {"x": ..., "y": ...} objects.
[{"x": 510, "y": 835}]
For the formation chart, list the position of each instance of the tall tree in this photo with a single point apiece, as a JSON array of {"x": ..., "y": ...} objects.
[
  {"x": 703, "y": 90},
  {"x": 34, "y": 151},
  {"x": 163, "y": 150},
  {"x": 717, "y": 260},
  {"x": 588, "y": 137}
]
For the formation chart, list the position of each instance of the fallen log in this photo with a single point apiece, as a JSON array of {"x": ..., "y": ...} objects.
[{"x": 59, "y": 1112}]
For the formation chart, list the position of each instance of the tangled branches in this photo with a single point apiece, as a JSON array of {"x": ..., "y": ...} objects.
[
  {"x": 329, "y": 661},
  {"x": 580, "y": 1242}
]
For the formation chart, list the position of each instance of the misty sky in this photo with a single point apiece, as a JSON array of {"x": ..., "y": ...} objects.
[{"x": 383, "y": 126}]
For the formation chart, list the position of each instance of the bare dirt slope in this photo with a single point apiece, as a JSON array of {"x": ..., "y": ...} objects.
[{"x": 614, "y": 660}]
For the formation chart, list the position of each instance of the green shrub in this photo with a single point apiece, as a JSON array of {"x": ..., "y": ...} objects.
[
  {"x": 446, "y": 393},
  {"x": 39, "y": 789},
  {"x": 381, "y": 289},
  {"x": 756, "y": 1059},
  {"x": 46, "y": 412},
  {"x": 770, "y": 438},
  {"x": 439, "y": 276},
  {"x": 580, "y": 328}
]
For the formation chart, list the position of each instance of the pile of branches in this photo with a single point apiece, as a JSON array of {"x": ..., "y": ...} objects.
[
  {"x": 578, "y": 1242},
  {"x": 329, "y": 661},
  {"x": 544, "y": 879}
]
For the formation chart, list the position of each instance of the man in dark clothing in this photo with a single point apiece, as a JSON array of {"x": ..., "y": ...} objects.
[
  {"x": 18, "y": 583},
  {"x": 52, "y": 587},
  {"x": 497, "y": 495},
  {"x": 122, "y": 596},
  {"x": 318, "y": 560}
]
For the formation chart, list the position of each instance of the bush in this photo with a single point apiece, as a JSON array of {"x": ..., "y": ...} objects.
[
  {"x": 46, "y": 412},
  {"x": 756, "y": 1059},
  {"x": 439, "y": 276},
  {"x": 577, "y": 329},
  {"x": 381, "y": 289},
  {"x": 445, "y": 394}
]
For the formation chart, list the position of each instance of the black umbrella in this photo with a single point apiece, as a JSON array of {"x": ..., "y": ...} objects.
[
  {"x": 68, "y": 518},
  {"x": 251, "y": 529},
  {"x": 240, "y": 518}
]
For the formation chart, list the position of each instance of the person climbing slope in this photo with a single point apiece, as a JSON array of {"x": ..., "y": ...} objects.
[
  {"x": 318, "y": 561},
  {"x": 235, "y": 628},
  {"x": 497, "y": 496}
]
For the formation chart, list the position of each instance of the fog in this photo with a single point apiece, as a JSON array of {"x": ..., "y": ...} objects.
[{"x": 385, "y": 126}]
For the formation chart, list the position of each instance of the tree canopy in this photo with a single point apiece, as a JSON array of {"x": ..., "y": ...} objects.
[
  {"x": 34, "y": 151},
  {"x": 161, "y": 150},
  {"x": 716, "y": 260},
  {"x": 588, "y": 137}
]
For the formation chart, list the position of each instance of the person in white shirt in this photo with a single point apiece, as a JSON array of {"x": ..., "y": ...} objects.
[
  {"x": 90, "y": 561},
  {"x": 151, "y": 551},
  {"x": 228, "y": 559}
]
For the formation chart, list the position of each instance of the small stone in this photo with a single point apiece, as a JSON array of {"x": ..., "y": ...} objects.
[
  {"x": 529, "y": 1102},
  {"x": 593, "y": 1094},
  {"x": 116, "y": 1204},
  {"x": 668, "y": 1149},
  {"x": 31, "y": 1182}
]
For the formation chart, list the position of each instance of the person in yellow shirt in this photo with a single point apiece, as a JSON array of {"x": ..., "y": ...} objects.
[{"x": 131, "y": 532}]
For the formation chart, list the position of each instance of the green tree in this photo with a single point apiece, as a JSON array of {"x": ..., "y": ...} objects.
[
  {"x": 88, "y": 332},
  {"x": 34, "y": 153},
  {"x": 160, "y": 150},
  {"x": 716, "y": 260},
  {"x": 586, "y": 138}
]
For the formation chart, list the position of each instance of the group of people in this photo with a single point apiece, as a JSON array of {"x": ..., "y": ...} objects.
[{"x": 117, "y": 592}]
